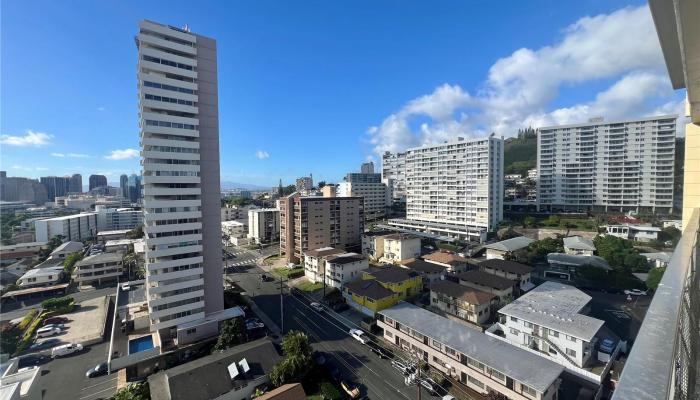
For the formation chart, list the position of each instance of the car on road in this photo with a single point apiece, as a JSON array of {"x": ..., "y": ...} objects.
[
  {"x": 66, "y": 349},
  {"x": 266, "y": 278},
  {"x": 401, "y": 367},
  {"x": 352, "y": 390},
  {"x": 340, "y": 306},
  {"x": 98, "y": 370},
  {"x": 636, "y": 292},
  {"x": 31, "y": 360},
  {"x": 55, "y": 320},
  {"x": 448, "y": 397},
  {"x": 429, "y": 385},
  {"x": 376, "y": 349},
  {"x": 126, "y": 286},
  {"x": 359, "y": 335},
  {"x": 45, "y": 344},
  {"x": 316, "y": 306},
  {"x": 46, "y": 331}
]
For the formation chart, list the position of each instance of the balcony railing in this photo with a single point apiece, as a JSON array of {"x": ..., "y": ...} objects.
[{"x": 664, "y": 361}]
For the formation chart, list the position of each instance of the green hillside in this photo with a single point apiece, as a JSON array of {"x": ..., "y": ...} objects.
[{"x": 520, "y": 153}]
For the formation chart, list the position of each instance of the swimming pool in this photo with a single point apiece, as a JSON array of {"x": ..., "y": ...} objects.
[{"x": 140, "y": 344}]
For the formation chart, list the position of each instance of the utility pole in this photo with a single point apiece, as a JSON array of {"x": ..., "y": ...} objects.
[{"x": 281, "y": 307}]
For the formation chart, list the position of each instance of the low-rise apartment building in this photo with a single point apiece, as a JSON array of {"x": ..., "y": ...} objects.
[
  {"x": 500, "y": 287},
  {"x": 430, "y": 272},
  {"x": 65, "y": 249},
  {"x": 578, "y": 245},
  {"x": 567, "y": 266},
  {"x": 512, "y": 270},
  {"x": 373, "y": 243},
  {"x": 382, "y": 288},
  {"x": 46, "y": 276},
  {"x": 14, "y": 252},
  {"x": 72, "y": 227},
  {"x": 482, "y": 363},
  {"x": 264, "y": 225},
  {"x": 400, "y": 246},
  {"x": 343, "y": 268},
  {"x": 463, "y": 302},
  {"x": 549, "y": 321},
  {"x": 637, "y": 233},
  {"x": 315, "y": 264},
  {"x": 451, "y": 261},
  {"x": 98, "y": 268},
  {"x": 309, "y": 223},
  {"x": 509, "y": 248}
]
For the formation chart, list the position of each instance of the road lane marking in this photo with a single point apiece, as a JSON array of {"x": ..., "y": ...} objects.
[
  {"x": 98, "y": 392},
  {"x": 101, "y": 383}
]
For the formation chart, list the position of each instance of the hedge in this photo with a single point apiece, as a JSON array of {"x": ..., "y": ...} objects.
[
  {"x": 27, "y": 319},
  {"x": 58, "y": 304}
]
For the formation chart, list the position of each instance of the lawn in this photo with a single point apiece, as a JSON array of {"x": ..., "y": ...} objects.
[
  {"x": 271, "y": 260},
  {"x": 447, "y": 246},
  {"x": 308, "y": 286},
  {"x": 286, "y": 273}
]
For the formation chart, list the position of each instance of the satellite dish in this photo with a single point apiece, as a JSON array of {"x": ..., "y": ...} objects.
[
  {"x": 244, "y": 365},
  {"x": 233, "y": 370}
]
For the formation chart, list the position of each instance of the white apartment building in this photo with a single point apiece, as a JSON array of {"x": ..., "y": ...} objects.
[
  {"x": 454, "y": 189},
  {"x": 113, "y": 219},
  {"x": 98, "y": 268},
  {"x": 233, "y": 212},
  {"x": 375, "y": 194},
  {"x": 394, "y": 175},
  {"x": 264, "y": 225},
  {"x": 549, "y": 321},
  {"x": 478, "y": 361},
  {"x": 637, "y": 233},
  {"x": 620, "y": 165},
  {"x": 343, "y": 268},
  {"x": 400, "y": 246},
  {"x": 314, "y": 262},
  {"x": 178, "y": 112},
  {"x": 76, "y": 227},
  {"x": 36, "y": 277}
]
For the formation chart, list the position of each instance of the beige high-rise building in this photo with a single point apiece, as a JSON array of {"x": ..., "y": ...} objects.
[{"x": 309, "y": 223}]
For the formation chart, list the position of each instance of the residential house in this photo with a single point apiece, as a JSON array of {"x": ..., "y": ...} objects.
[
  {"x": 289, "y": 391},
  {"x": 98, "y": 268},
  {"x": 314, "y": 264},
  {"x": 566, "y": 266},
  {"x": 373, "y": 243},
  {"x": 12, "y": 253},
  {"x": 65, "y": 249},
  {"x": 637, "y": 233},
  {"x": 35, "y": 277},
  {"x": 508, "y": 249},
  {"x": 430, "y": 272},
  {"x": 463, "y": 302},
  {"x": 453, "y": 262},
  {"x": 234, "y": 373},
  {"x": 382, "y": 288},
  {"x": 400, "y": 246},
  {"x": 117, "y": 234},
  {"x": 500, "y": 287},
  {"x": 578, "y": 245},
  {"x": 342, "y": 268},
  {"x": 657, "y": 260},
  {"x": 480, "y": 362},
  {"x": 550, "y": 321},
  {"x": 510, "y": 270}
]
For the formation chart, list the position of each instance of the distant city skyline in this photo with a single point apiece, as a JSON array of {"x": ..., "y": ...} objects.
[{"x": 290, "y": 107}]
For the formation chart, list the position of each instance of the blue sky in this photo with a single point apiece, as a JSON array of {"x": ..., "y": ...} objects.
[{"x": 321, "y": 86}]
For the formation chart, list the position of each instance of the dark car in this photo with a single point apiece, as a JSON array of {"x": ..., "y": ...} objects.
[
  {"x": 97, "y": 370},
  {"x": 46, "y": 344},
  {"x": 266, "y": 278},
  {"x": 31, "y": 360},
  {"x": 55, "y": 320},
  {"x": 379, "y": 351},
  {"x": 338, "y": 307}
]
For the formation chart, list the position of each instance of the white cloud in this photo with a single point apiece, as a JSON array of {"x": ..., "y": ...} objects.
[
  {"x": 260, "y": 154},
  {"x": 60, "y": 155},
  {"x": 122, "y": 154},
  {"x": 101, "y": 108},
  {"x": 78, "y": 155},
  {"x": 30, "y": 138},
  {"x": 519, "y": 90},
  {"x": 21, "y": 168}
]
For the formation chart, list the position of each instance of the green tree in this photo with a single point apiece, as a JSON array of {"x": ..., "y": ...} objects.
[
  {"x": 670, "y": 233},
  {"x": 538, "y": 250},
  {"x": 496, "y": 396},
  {"x": 232, "y": 333},
  {"x": 134, "y": 391},
  {"x": 654, "y": 277},
  {"x": 71, "y": 259},
  {"x": 620, "y": 254},
  {"x": 553, "y": 220},
  {"x": 297, "y": 360},
  {"x": 529, "y": 222},
  {"x": 136, "y": 233},
  {"x": 321, "y": 184}
]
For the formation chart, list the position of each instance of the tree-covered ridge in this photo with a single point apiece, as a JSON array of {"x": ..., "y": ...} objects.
[{"x": 520, "y": 153}]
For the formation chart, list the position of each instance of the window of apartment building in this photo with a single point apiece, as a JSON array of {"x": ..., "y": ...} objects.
[
  {"x": 528, "y": 391},
  {"x": 496, "y": 375},
  {"x": 389, "y": 334},
  {"x": 450, "y": 351},
  {"x": 553, "y": 333},
  {"x": 514, "y": 332},
  {"x": 527, "y": 324},
  {"x": 435, "y": 344},
  {"x": 475, "y": 364},
  {"x": 570, "y": 352},
  {"x": 475, "y": 381},
  {"x": 571, "y": 338},
  {"x": 513, "y": 319}
]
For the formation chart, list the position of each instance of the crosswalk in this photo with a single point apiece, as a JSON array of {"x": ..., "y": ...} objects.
[{"x": 233, "y": 263}]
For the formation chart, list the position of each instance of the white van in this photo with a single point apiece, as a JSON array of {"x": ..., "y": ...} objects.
[
  {"x": 66, "y": 349},
  {"x": 48, "y": 331}
]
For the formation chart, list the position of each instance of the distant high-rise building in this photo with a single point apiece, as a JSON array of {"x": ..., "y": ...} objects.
[
  {"x": 309, "y": 223},
  {"x": 56, "y": 186},
  {"x": 600, "y": 166},
  {"x": 394, "y": 175},
  {"x": 134, "y": 188},
  {"x": 124, "y": 186},
  {"x": 22, "y": 189},
  {"x": 454, "y": 189},
  {"x": 76, "y": 184},
  {"x": 97, "y": 181},
  {"x": 305, "y": 183},
  {"x": 369, "y": 186},
  {"x": 178, "y": 107},
  {"x": 367, "y": 168}
]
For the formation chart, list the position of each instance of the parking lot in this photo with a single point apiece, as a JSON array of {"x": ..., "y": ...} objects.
[
  {"x": 622, "y": 316},
  {"x": 85, "y": 325}
]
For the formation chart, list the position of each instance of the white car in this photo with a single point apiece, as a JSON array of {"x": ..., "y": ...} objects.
[
  {"x": 316, "y": 306},
  {"x": 126, "y": 286},
  {"x": 66, "y": 349},
  {"x": 636, "y": 292},
  {"x": 359, "y": 335},
  {"x": 47, "y": 331}
]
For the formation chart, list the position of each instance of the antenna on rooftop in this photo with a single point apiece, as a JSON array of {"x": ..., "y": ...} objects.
[{"x": 186, "y": 28}]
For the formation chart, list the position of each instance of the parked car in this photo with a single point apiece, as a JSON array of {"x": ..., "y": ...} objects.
[
  {"x": 316, "y": 306},
  {"x": 32, "y": 360},
  {"x": 66, "y": 349},
  {"x": 47, "y": 331},
  {"x": 636, "y": 292},
  {"x": 45, "y": 344},
  {"x": 126, "y": 286},
  {"x": 341, "y": 306},
  {"x": 376, "y": 349},
  {"x": 429, "y": 385},
  {"x": 253, "y": 323},
  {"x": 55, "y": 320},
  {"x": 401, "y": 367},
  {"x": 448, "y": 397},
  {"x": 266, "y": 278},
  {"x": 98, "y": 370},
  {"x": 359, "y": 335},
  {"x": 352, "y": 390}
]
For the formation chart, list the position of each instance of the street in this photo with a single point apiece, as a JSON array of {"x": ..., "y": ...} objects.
[{"x": 329, "y": 334}]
